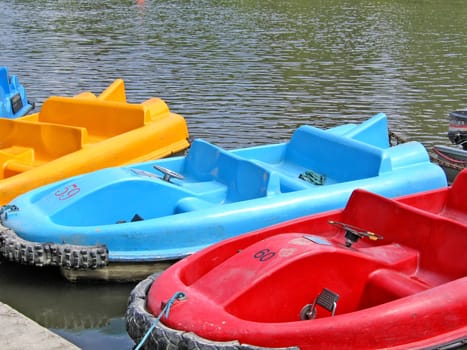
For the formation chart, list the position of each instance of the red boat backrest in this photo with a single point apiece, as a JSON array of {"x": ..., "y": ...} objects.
[
  {"x": 457, "y": 202},
  {"x": 440, "y": 241}
]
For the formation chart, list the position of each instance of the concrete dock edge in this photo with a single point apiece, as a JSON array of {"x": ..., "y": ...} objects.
[{"x": 18, "y": 332}]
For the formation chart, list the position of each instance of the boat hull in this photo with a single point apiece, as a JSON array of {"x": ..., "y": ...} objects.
[
  {"x": 141, "y": 217},
  {"x": 398, "y": 287},
  {"x": 84, "y": 133}
]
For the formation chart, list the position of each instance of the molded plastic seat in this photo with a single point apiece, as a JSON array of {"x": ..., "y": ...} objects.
[{"x": 333, "y": 156}]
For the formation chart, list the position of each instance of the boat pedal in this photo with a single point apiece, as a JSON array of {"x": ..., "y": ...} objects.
[
  {"x": 136, "y": 217},
  {"x": 327, "y": 299}
]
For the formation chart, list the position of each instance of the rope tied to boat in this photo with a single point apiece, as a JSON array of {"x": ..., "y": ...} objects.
[
  {"x": 445, "y": 156},
  {"x": 165, "y": 312}
]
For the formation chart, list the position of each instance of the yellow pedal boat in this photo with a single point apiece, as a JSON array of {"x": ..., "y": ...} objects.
[{"x": 76, "y": 135}]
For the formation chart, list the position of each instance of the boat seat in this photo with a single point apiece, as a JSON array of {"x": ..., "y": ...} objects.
[
  {"x": 11, "y": 99},
  {"x": 456, "y": 205},
  {"x": 247, "y": 180},
  {"x": 418, "y": 229},
  {"x": 101, "y": 118},
  {"x": 289, "y": 184},
  {"x": 114, "y": 92},
  {"x": 243, "y": 178},
  {"x": 373, "y": 131},
  {"x": 385, "y": 285},
  {"x": 4, "y": 81},
  {"x": 333, "y": 156},
  {"x": 49, "y": 141},
  {"x": 202, "y": 160},
  {"x": 15, "y": 160}
]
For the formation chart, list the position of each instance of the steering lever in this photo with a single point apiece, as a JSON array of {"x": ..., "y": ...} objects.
[
  {"x": 168, "y": 174},
  {"x": 354, "y": 233}
]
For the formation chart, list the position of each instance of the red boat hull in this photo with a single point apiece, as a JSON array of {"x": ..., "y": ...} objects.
[{"x": 407, "y": 290}]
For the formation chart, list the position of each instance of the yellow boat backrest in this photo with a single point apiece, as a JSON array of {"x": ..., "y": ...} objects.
[
  {"x": 67, "y": 124},
  {"x": 115, "y": 92},
  {"x": 100, "y": 118}
]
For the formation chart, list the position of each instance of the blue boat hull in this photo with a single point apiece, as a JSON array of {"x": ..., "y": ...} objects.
[{"x": 140, "y": 217}]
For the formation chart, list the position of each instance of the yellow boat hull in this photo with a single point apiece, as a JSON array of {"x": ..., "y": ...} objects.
[{"x": 76, "y": 135}]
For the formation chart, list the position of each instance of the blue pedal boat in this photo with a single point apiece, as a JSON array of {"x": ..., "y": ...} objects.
[
  {"x": 164, "y": 210},
  {"x": 13, "y": 100}
]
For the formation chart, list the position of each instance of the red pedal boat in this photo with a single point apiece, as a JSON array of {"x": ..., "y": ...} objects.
[{"x": 379, "y": 274}]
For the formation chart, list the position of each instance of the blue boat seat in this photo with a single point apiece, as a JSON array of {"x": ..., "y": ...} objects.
[
  {"x": 201, "y": 160},
  {"x": 243, "y": 179},
  {"x": 338, "y": 159},
  {"x": 289, "y": 184},
  {"x": 248, "y": 181},
  {"x": 373, "y": 131},
  {"x": 4, "y": 81},
  {"x": 13, "y": 100}
]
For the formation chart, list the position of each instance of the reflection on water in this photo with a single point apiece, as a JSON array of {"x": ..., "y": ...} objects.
[
  {"x": 89, "y": 315},
  {"x": 112, "y": 336},
  {"x": 242, "y": 72}
]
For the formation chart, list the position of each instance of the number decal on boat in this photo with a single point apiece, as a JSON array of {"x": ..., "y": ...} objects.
[
  {"x": 67, "y": 192},
  {"x": 264, "y": 255}
]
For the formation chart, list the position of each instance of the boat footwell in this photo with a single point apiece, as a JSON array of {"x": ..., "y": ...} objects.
[{"x": 139, "y": 322}]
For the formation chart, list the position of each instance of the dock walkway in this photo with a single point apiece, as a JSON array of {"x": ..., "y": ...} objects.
[{"x": 18, "y": 332}]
